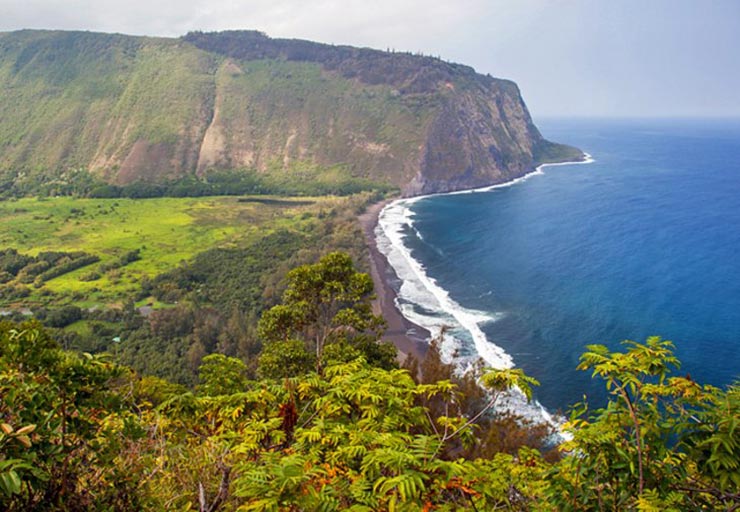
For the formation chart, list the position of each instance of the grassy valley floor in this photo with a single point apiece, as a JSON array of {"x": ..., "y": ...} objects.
[{"x": 164, "y": 231}]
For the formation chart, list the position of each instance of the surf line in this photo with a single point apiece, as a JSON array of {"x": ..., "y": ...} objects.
[
  {"x": 425, "y": 303},
  {"x": 390, "y": 237}
]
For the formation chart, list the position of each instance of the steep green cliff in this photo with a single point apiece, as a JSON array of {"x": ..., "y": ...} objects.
[{"x": 138, "y": 108}]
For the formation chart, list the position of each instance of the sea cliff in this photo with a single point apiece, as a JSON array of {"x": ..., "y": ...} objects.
[{"x": 152, "y": 109}]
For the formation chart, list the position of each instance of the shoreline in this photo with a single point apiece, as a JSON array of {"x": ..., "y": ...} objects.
[{"x": 408, "y": 337}]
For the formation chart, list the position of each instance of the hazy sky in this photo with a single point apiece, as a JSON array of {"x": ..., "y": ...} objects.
[{"x": 579, "y": 57}]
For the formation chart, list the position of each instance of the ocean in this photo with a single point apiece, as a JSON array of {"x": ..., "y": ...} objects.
[{"x": 644, "y": 240}]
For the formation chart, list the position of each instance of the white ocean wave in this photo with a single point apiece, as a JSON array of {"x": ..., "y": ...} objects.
[
  {"x": 425, "y": 303},
  {"x": 422, "y": 300}
]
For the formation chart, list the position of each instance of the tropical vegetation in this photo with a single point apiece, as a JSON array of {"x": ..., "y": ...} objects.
[{"x": 329, "y": 422}]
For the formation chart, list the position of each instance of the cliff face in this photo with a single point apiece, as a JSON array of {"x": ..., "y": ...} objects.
[
  {"x": 133, "y": 108},
  {"x": 484, "y": 133}
]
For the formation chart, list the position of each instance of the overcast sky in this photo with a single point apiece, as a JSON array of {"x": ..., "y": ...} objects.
[{"x": 570, "y": 58}]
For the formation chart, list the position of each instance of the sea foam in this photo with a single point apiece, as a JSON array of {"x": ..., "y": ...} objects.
[{"x": 425, "y": 303}]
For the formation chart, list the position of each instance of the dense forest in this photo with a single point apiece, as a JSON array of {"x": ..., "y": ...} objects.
[
  {"x": 208, "y": 303},
  {"x": 299, "y": 180},
  {"x": 326, "y": 420}
]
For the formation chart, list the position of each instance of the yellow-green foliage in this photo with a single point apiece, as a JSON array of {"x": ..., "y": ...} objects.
[
  {"x": 78, "y": 433},
  {"x": 165, "y": 230}
]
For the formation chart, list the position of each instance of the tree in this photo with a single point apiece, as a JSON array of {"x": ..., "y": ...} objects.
[
  {"x": 324, "y": 303},
  {"x": 281, "y": 359},
  {"x": 661, "y": 442},
  {"x": 221, "y": 375},
  {"x": 362, "y": 441},
  {"x": 64, "y": 424},
  {"x": 497, "y": 430}
]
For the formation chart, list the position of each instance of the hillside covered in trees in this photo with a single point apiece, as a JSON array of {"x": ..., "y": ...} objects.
[
  {"x": 329, "y": 422},
  {"x": 81, "y": 107}
]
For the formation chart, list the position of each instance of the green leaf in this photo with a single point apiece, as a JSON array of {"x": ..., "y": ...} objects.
[{"x": 10, "y": 482}]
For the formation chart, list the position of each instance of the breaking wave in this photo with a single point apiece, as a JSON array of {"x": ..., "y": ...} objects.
[{"x": 425, "y": 303}]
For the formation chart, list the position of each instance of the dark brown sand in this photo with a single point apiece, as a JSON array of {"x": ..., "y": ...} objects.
[{"x": 408, "y": 337}]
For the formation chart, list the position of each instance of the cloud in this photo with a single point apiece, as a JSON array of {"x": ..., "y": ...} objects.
[
  {"x": 576, "y": 57},
  {"x": 330, "y": 18}
]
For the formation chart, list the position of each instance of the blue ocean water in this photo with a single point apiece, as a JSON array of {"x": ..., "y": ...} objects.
[{"x": 643, "y": 241}]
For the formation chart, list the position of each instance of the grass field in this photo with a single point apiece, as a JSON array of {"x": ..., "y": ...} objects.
[{"x": 165, "y": 230}]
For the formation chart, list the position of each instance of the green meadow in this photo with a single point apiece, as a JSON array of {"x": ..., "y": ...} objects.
[{"x": 165, "y": 231}]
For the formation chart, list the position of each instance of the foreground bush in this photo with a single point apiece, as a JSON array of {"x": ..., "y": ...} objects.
[{"x": 79, "y": 433}]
